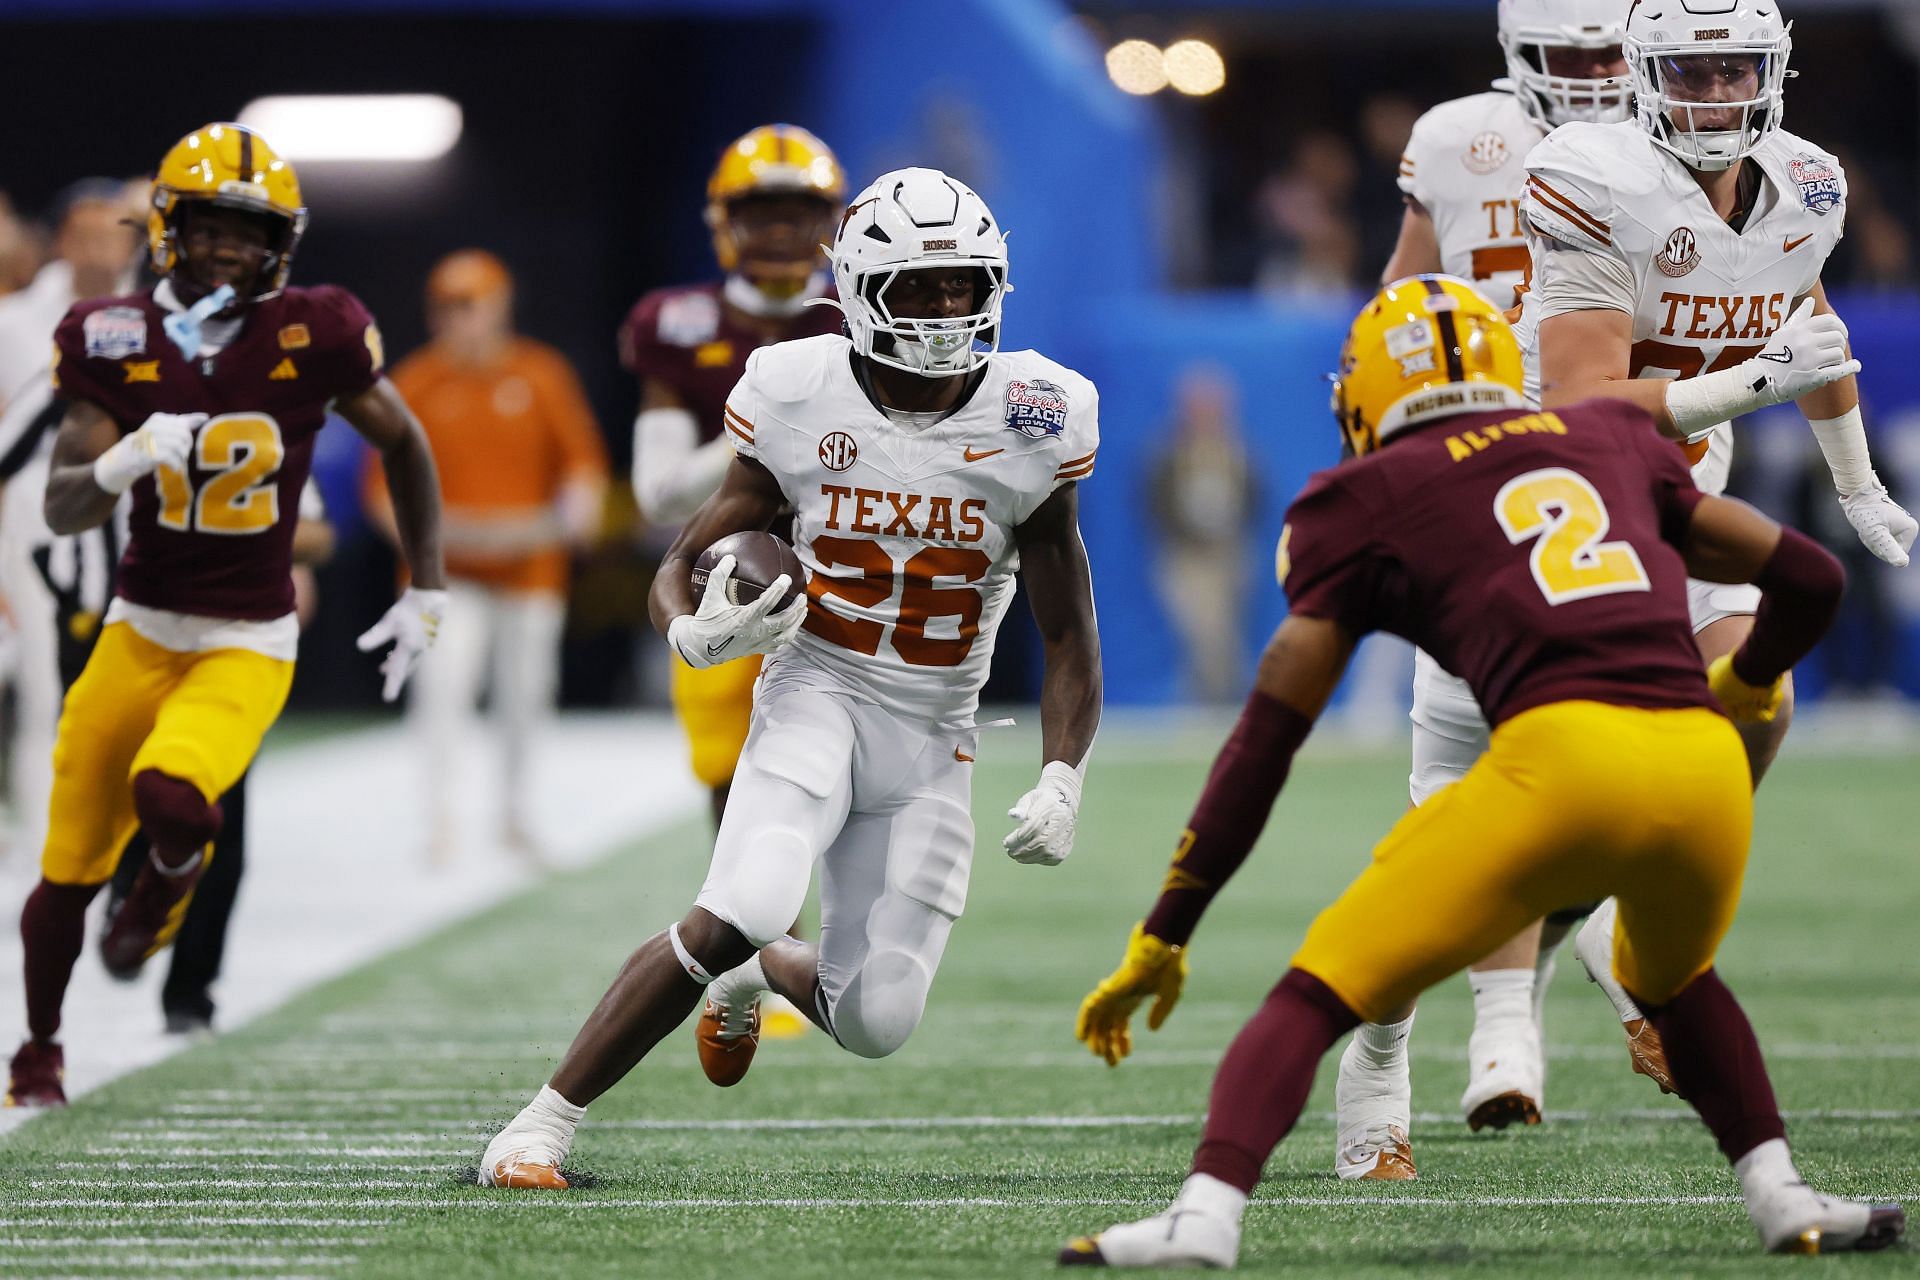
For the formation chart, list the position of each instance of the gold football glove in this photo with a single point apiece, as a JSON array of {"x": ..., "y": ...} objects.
[
  {"x": 1745, "y": 703},
  {"x": 1151, "y": 968}
]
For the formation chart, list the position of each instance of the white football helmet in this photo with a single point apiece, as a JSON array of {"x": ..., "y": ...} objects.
[
  {"x": 1666, "y": 37},
  {"x": 1528, "y": 28},
  {"x": 910, "y": 220}
]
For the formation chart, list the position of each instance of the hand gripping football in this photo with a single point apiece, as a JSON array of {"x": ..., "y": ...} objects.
[{"x": 758, "y": 558}]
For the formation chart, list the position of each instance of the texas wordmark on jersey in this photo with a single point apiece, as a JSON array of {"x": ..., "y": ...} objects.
[
  {"x": 1618, "y": 221},
  {"x": 907, "y": 533}
]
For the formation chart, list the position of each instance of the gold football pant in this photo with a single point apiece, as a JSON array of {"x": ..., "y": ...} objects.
[
  {"x": 715, "y": 706},
  {"x": 1573, "y": 802},
  {"x": 198, "y": 717}
]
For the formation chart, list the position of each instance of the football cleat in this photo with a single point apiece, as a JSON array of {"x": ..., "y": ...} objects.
[
  {"x": 1178, "y": 1237},
  {"x": 527, "y": 1154},
  {"x": 1374, "y": 1110},
  {"x": 1505, "y": 1075},
  {"x": 35, "y": 1075},
  {"x": 1594, "y": 945},
  {"x": 1648, "y": 1054},
  {"x": 149, "y": 917},
  {"x": 727, "y": 1036},
  {"x": 1798, "y": 1220}
]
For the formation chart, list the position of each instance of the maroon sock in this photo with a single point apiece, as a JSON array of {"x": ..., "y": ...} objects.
[
  {"x": 1263, "y": 1082},
  {"x": 53, "y": 927},
  {"x": 178, "y": 820},
  {"x": 1717, "y": 1066}
]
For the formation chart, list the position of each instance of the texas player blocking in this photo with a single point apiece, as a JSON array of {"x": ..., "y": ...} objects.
[
  {"x": 1545, "y": 556},
  {"x": 771, "y": 204},
  {"x": 924, "y": 468},
  {"x": 203, "y": 396},
  {"x": 1462, "y": 174},
  {"x": 1677, "y": 263}
]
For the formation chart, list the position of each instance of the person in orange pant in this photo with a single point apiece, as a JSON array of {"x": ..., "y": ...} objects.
[{"x": 523, "y": 470}]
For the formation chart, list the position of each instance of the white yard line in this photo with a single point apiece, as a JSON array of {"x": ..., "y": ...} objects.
[
  {"x": 336, "y": 874},
  {"x": 573, "y": 1201}
]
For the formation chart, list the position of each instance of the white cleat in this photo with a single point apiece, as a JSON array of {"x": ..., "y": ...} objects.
[
  {"x": 528, "y": 1153},
  {"x": 1506, "y": 1076},
  {"x": 1374, "y": 1111},
  {"x": 1795, "y": 1219},
  {"x": 1178, "y": 1237}
]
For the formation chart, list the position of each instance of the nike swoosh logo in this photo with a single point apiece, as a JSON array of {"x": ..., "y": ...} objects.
[
  {"x": 971, "y": 456},
  {"x": 1790, "y": 245},
  {"x": 715, "y": 650},
  {"x": 962, "y": 756},
  {"x": 1785, "y": 356}
]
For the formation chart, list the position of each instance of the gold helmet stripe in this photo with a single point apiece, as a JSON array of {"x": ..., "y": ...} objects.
[{"x": 1449, "y": 333}]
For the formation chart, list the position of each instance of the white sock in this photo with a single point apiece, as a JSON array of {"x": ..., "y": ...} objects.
[
  {"x": 550, "y": 1106},
  {"x": 1766, "y": 1169},
  {"x": 742, "y": 981},
  {"x": 1382, "y": 1046},
  {"x": 1207, "y": 1194},
  {"x": 1501, "y": 996}
]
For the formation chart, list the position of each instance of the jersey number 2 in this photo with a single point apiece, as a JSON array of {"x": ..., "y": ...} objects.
[
  {"x": 1563, "y": 514},
  {"x": 244, "y": 452},
  {"x": 920, "y": 600}
]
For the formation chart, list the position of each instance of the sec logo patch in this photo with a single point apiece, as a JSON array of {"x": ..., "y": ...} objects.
[
  {"x": 1681, "y": 254},
  {"x": 1487, "y": 152},
  {"x": 838, "y": 451}
]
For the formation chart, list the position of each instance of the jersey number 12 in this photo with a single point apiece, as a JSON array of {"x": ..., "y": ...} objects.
[{"x": 244, "y": 453}]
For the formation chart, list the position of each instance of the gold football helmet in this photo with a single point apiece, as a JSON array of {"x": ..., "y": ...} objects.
[
  {"x": 231, "y": 166},
  {"x": 1425, "y": 347},
  {"x": 773, "y": 160}
]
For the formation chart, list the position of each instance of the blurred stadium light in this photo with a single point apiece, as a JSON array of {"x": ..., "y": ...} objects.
[{"x": 358, "y": 126}]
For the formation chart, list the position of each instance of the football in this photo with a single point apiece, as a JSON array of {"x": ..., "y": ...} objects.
[{"x": 758, "y": 558}]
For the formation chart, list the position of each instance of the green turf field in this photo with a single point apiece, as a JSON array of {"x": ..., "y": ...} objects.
[{"x": 334, "y": 1137}]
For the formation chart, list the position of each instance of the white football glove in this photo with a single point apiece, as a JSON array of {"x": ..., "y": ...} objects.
[
  {"x": 719, "y": 632},
  {"x": 1806, "y": 353},
  {"x": 412, "y": 624},
  {"x": 163, "y": 440},
  {"x": 1047, "y": 816},
  {"x": 1884, "y": 527}
]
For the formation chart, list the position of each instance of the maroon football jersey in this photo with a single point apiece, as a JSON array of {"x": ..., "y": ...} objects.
[
  {"x": 1533, "y": 555},
  {"x": 219, "y": 540},
  {"x": 683, "y": 338}
]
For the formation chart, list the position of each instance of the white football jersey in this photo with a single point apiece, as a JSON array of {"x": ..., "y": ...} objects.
[
  {"x": 1465, "y": 164},
  {"x": 1619, "y": 222},
  {"x": 907, "y": 534}
]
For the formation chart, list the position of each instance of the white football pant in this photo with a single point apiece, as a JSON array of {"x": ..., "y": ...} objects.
[{"x": 883, "y": 803}]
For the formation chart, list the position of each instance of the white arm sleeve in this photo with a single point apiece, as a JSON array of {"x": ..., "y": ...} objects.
[{"x": 673, "y": 473}]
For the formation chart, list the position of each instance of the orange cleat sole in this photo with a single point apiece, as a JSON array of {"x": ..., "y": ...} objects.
[
  {"x": 1504, "y": 1111},
  {"x": 528, "y": 1175}
]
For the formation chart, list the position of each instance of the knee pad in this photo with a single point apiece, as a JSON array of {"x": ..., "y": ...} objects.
[
  {"x": 761, "y": 895},
  {"x": 177, "y": 818},
  {"x": 882, "y": 1005}
]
